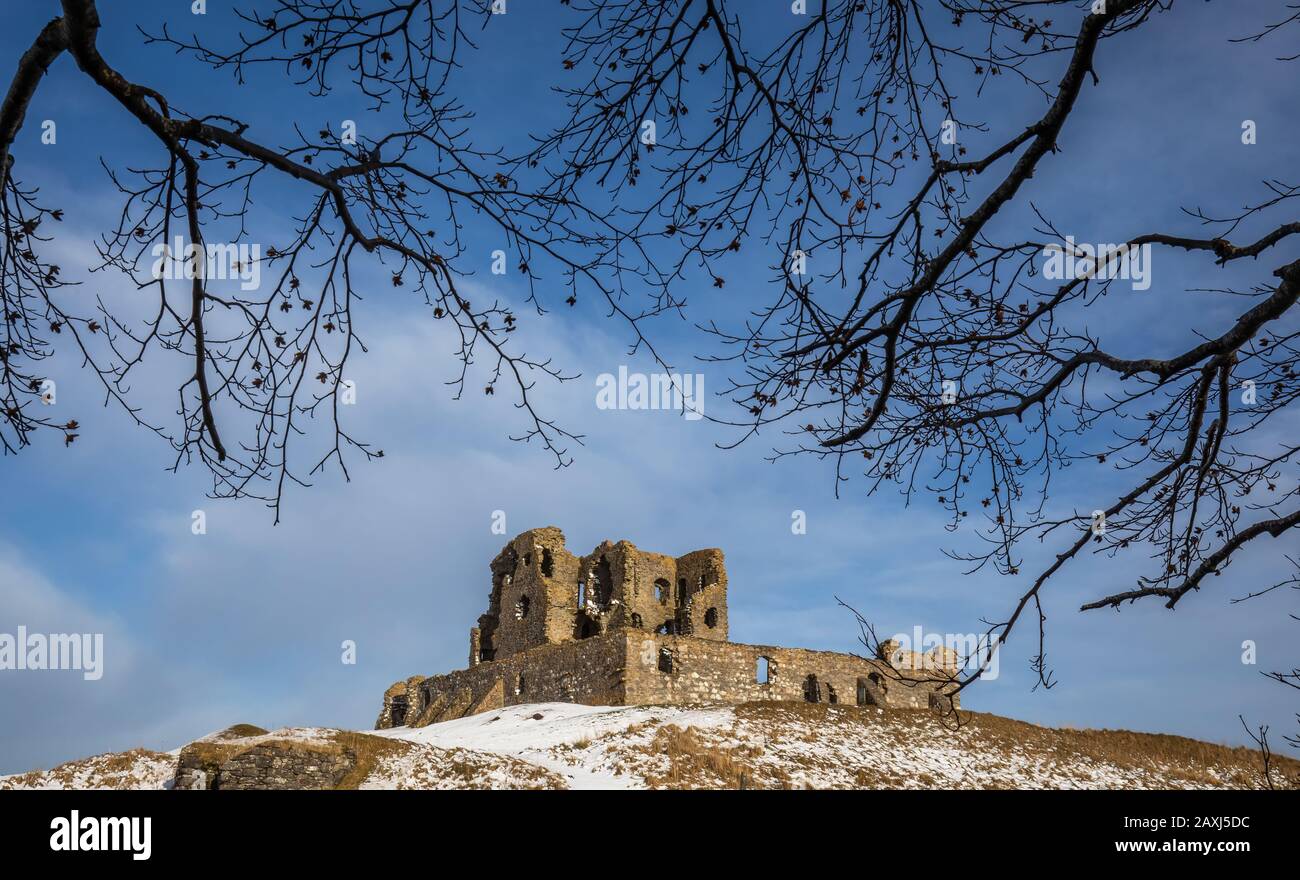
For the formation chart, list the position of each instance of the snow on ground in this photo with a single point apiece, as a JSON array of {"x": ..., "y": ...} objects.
[
  {"x": 301, "y": 734},
  {"x": 799, "y": 746},
  {"x": 428, "y": 767},
  {"x": 136, "y": 769},
  {"x": 550, "y": 735},
  {"x": 755, "y": 745}
]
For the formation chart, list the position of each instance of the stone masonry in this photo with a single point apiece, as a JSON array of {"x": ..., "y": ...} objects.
[
  {"x": 621, "y": 626},
  {"x": 277, "y": 766},
  {"x": 247, "y": 757}
]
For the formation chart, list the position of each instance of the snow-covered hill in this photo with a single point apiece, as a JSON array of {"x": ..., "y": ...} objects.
[{"x": 756, "y": 745}]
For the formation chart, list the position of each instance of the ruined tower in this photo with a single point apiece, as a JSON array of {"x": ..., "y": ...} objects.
[
  {"x": 543, "y": 595},
  {"x": 622, "y": 626}
]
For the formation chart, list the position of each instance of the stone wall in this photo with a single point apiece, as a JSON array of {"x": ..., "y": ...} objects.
[
  {"x": 199, "y": 762},
  {"x": 625, "y": 626},
  {"x": 533, "y": 600},
  {"x": 667, "y": 669},
  {"x": 396, "y": 711},
  {"x": 196, "y": 770},
  {"x": 686, "y": 595},
  {"x": 588, "y": 671},
  {"x": 281, "y": 765},
  {"x": 543, "y": 594},
  {"x": 245, "y": 757},
  {"x": 702, "y": 576},
  {"x": 625, "y": 667}
]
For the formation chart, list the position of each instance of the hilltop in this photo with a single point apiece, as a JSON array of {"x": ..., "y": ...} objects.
[{"x": 753, "y": 745}]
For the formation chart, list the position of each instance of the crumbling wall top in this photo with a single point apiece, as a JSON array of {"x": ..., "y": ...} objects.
[{"x": 543, "y": 594}]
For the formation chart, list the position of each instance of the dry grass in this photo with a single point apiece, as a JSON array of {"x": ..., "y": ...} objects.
[
  {"x": 470, "y": 770},
  {"x": 239, "y": 731},
  {"x": 694, "y": 764},
  {"x": 373, "y": 756},
  {"x": 765, "y": 745},
  {"x": 1191, "y": 759},
  {"x": 779, "y": 710},
  {"x": 1179, "y": 758},
  {"x": 216, "y": 749},
  {"x": 210, "y": 755},
  {"x": 116, "y": 770},
  {"x": 368, "y": 751}
]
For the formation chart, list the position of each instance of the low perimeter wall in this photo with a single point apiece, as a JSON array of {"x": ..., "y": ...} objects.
[
  {"x": 669, "y": 669},
  {"x": 634, "y": 668}
]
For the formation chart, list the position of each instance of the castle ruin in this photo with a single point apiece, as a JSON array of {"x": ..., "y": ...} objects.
[{"x": 622, "y": 626}]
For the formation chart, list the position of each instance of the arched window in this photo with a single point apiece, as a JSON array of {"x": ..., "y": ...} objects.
[
  {"x": 711, "y": 618},
  {"x": 661, "y": 591},
  {"x": 763, "y": 671},
  {"x": 812, "y": 689}
]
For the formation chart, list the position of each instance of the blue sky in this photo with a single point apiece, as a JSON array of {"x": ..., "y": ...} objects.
[{"x": 245, "y": 623}]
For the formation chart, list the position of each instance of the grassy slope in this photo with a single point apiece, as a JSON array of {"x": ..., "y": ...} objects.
[{"x": 755, "y": 745}]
